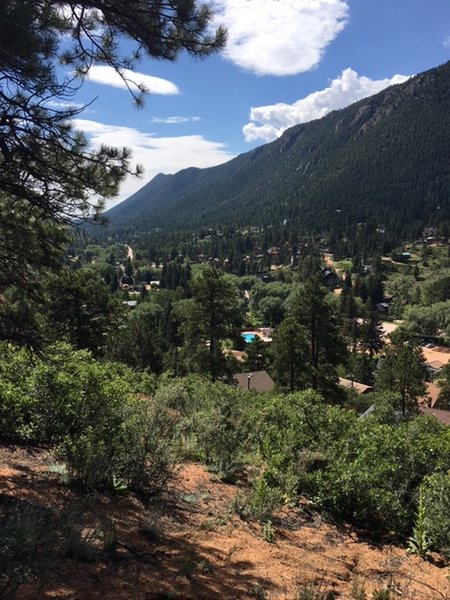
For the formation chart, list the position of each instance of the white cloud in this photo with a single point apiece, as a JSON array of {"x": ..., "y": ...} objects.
[
  {"x": 62, "y": 104},
  {"x": 156, "y": 154},
  {"x": 446, "y": 42},
  {"x": 175, "y": 120},
  {"x": 279, "y": 37},
  {"x": 269, "y": 122},
  {"x": 109, "y": 76}
]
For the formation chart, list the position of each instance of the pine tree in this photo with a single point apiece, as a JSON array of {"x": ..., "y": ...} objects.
[{"x": 49, "y": 175}]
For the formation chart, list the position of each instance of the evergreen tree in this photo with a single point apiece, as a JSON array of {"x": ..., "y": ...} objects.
[
  {"x": 403, "y": 371},
  {"x": 81, "y": 310},
  {"x": 48, "y": 171},
  {"x": 209, "y": 319},
  {"x": 325, "y": 347},
  {"x": 257, "y": 355},
  {"x": 290, "y": 355},
  {"x": 372, "y": 334}
]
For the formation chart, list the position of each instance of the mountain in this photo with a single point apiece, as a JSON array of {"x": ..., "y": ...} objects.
[{"x": 380, "y": 166}]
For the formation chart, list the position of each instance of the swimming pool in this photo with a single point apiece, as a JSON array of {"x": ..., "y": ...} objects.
[{"x": 248, "y": 336}]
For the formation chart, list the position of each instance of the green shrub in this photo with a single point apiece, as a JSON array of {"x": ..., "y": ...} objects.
[
  {"x": 220, "y": 427},
  {"x": 261, "y": 503},
  {"x": 436, "y": 505},
  {"x": 146, "y": 457},
  {"x": 15, "y": 394},
  {"x": 418, "y": 542},
  {"x": 312, "y": 591}
]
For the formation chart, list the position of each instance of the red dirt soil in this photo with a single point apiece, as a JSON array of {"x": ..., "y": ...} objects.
[{"x": 191, "y": 545}]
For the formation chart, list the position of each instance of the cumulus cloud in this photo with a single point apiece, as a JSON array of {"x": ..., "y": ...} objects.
[
  {"x": 174, "y": 120},
  {"x": 446, "y": 42},
  {"x": 109, "y": 76},
  {"x": 279, "y": 37},
  {"x": 268, "y": 122},
  {"x": 156, "y": 154}
]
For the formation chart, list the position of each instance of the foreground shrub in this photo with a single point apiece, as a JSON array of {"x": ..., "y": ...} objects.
[
  {"x": 261, "y": 503},
  {"x": 363, "y": 471},
  {"x": 436, "y": 506},
  {"x": 147, "y": 453},
  {"x": 221, "y": 428}
]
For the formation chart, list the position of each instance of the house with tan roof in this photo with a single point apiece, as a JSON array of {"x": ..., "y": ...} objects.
[{"x": 359, "y": 388}]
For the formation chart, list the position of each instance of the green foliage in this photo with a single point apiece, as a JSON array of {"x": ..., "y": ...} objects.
[
  {"x": 91, "y": 412},
  {"x": 437, "y": 288},
  {"x": 359, "y": 590},
  {"x": 220, "y": 426},
  {"x": 53, "y": 169},
  {"x": 444, "y": 385},
  {"x": 436, "y": 509},
  {"x": 258, "y": 592},
  {"x": 403, "y": 370},
  {"x": 81, "y": 310},
  {"x": 288, "y": 353},
  {"x": 382, "y": 594},
  {"x": 35, "y": 539},
  {"x": 325, "y": 348},
  {"x": 261, "y": 502},
  {"x": 313, "y": 591},
  {"x": 329, "y": 455},
  {"x": 267, "y": 532},
  {"x": 431, "y": 321},
  {"x": 140, "y": 342},
  {"x": 206, "y": 320},
  {"x": 257, "y": 355},
  {"x": 147, "y": 455},
  {"x": 418, "y": 542}
]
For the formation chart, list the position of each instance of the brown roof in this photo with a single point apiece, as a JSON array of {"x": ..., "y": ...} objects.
[
  {"x": 435, "y": 364},
  {"x": 432, "y": 392},
  {"x": 441, "y": 415},
  {"x": 431, "y": 395},
  {"x": 257, "y": 381},
  {"x": 237, "y": 354},
  {"x": 360, "y": 388},
  {"x": 440, "y": 353}
]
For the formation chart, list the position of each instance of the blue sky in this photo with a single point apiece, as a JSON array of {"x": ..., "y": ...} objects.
[{"x": 287, "y": 61}]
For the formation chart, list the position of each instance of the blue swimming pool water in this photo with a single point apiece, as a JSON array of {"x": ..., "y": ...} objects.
[{"x": 248, "y": 337}]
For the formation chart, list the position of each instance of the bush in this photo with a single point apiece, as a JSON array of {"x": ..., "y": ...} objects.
[
  {"x": 436, "y": 502},
  {"x": 261, "y": 503},
  {"x": 147, "y": 454},
  {"x": 364, "y": 471},
  {"x": 15, "y": 397},
  {"x": 220, "y": 427}
]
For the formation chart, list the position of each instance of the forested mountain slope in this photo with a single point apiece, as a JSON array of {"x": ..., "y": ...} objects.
[{"x": 380, "y": 167}]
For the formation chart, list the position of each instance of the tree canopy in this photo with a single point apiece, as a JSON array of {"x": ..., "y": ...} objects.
[
  {"x": 50, "y": 176},
  {"x": 44, "y": 160}
]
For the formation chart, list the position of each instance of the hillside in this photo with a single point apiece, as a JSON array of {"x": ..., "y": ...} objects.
[
  {"x": 379, "y": 166},
  {"x": 192, "y": 546}
]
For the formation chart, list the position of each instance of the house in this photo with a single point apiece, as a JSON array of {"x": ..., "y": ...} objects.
[
  {"x": 359, "y": 388},
  {"x": 130, "y": 303},
  {"x": 382, "y": 307},
  {"x": 441, "y": 415},
  {"x": 434, "y": 367},
  {"x": 329, "y": 278},
  {"x": 257, "y": 381},
  {"x": 431, "y": 395}
]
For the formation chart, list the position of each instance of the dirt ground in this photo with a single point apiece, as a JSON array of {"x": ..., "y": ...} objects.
[{"x": 191, "y": 545}]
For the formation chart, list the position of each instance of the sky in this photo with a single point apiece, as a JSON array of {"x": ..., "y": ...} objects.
[{"x": 286, "y": 62}]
